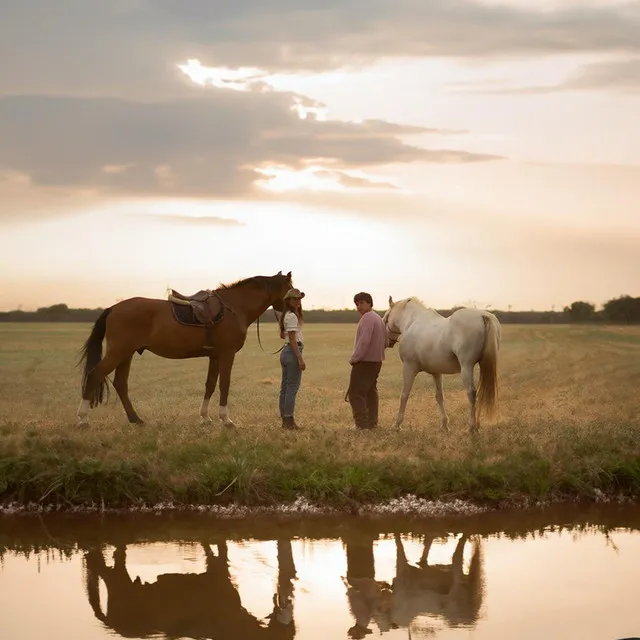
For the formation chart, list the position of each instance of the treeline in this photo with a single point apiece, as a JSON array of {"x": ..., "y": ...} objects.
[
  {"x": 622, "y": 310},
  {"x": 55, "y": 313}
]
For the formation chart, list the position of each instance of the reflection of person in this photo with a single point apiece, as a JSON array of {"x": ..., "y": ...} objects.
[
  {"x": 366, "y": 362},
  {"x": 281, "y": 620},
  {"x": 368, "y": 598},
  {"x": 291, "y": 360}
]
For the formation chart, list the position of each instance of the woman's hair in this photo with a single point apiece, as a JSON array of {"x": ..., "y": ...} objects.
[{"x": 289, "y": 307}]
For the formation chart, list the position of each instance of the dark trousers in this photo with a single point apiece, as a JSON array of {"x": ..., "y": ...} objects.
[{"x": 363, "y": 393}]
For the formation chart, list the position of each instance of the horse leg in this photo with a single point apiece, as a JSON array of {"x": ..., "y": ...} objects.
[
  {"x": 437, "y": 378},
  {"x": 121, "y": 385},
  {"x": 409, "y": 373},
  {"x": 94, "y": 380},
  {"x": 225, "y": 364},
  {"x": 424, "y": 558},
  {"x": 401, "y": 556},
  {"x": 456, "y": 587},
  {"x": 467, "y": 380},
  {"x": 210, "y": 387}
]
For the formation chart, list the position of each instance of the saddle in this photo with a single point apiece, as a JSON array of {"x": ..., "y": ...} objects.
[{"x": 205, "y": 308}]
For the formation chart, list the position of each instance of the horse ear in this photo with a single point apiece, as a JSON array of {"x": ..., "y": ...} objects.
[
  {"x": 391, "y": 302},
  {"x": 289, "y": 275},
  {"x": 279, "y": 273}
]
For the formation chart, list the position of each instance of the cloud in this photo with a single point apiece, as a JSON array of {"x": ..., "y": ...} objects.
[
  {"x": 617, "y": 76},
  {"x": 129, "y": 48},
  {"x": 21, "y": 202},
  {"x": 204, "y": 221},
  {"x": 209, "y": 144},
  {"x": 358, "y": 182},
  {"x": 620, "y": 76}
]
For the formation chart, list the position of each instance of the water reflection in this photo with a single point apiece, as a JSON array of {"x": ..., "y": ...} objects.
[
  {"x": 208, "y": 604},
  {"x": 442, "y": 590},
  {"x": 314, "y": 579},
  {"x": 191, "y": 605}
]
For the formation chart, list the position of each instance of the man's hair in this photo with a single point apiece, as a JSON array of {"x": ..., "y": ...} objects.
[{"x": 363, "y": 296}]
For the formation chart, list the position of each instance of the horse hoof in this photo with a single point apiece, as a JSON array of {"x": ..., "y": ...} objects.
[
  {"x": 229, "y": 425},
  {"x": 205, "y": 420},
  {"x": 83, "y": 423}
]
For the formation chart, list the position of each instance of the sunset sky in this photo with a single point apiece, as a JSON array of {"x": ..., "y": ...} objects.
[{"x": 465, "y": 151}]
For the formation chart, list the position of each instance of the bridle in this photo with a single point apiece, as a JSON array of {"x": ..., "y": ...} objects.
[{"x": 395, "y": 335}]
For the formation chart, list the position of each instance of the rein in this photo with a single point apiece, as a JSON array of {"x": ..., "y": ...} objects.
[{"x": 271, "y": 353}]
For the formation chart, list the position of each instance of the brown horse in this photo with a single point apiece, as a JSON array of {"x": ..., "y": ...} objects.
[{"x": 137, "y": 324}]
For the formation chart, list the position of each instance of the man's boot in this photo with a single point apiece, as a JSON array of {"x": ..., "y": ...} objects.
[{"x": 289, "y": 423}]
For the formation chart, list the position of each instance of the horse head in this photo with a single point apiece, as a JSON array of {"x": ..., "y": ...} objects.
[
  {"x": 280, "y": 284},
  {"x": 390, "y": 323}
]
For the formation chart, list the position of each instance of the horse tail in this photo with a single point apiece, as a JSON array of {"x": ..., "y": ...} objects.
[
  {"x": 91, "y": 354},
  {"x": 488, "y": 385}
]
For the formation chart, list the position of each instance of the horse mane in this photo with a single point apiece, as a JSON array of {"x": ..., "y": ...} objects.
[
  {"x": 259, "y": 281},
  {"x": 415, "y": 300}
]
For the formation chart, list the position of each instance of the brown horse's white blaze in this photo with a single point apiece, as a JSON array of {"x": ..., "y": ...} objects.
[
  {"x": 139, "y": 324},
  {"x": 443, "y": 346}
]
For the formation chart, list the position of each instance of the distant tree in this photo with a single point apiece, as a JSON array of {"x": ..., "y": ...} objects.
[
  {"x": 55, "y": 308},
  {"x": 54, "y": 313},
  {"x": 624, "y": 309},
  {"x": 580, "y": 311}
]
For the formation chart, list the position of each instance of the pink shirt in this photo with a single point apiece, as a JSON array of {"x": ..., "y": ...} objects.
[{"x": 371, "y": 339}]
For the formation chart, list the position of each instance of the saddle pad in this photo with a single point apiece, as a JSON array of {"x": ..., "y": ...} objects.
[{"x": 184, "y": 315}]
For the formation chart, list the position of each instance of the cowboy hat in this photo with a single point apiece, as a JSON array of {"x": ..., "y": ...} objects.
[{"x": 293, "y": 293}]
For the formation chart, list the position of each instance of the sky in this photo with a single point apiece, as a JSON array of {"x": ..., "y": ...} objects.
[{"x": 469, "y": 152}]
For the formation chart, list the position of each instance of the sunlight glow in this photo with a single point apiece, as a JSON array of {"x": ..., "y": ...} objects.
[
  {"x": 305, "y": 111},
  {"x": 241, "y": 79},
  {"x": 249, "y": 79},
  {"x": 280, "y": 178}
]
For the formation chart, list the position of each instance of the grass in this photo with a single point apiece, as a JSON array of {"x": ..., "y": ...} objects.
[{"x": 568, "y": 428}]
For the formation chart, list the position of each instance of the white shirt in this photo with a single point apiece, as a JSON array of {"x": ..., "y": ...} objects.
[{"x": 291, "y": 323}]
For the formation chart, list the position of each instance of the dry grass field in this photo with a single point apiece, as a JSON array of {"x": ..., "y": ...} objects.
[{"x": 568, "y": 425}]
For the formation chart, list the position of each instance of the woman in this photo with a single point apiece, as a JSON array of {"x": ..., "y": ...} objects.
[{"x": 291, "y": 360}]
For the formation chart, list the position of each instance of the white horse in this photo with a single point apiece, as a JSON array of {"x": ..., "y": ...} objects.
[{"x": 439, "y": 345}]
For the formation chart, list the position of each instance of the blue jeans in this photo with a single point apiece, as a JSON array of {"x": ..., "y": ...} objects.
[{"x": 291, "y": 377}]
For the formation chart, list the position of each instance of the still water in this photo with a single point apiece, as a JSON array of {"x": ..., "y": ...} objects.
[{"x": 540, "y": 574}]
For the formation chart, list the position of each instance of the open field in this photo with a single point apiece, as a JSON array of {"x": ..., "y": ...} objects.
[{"x": 568, "y": 426}]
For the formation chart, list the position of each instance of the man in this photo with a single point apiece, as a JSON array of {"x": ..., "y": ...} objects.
[{"x": 366, "y": 362}]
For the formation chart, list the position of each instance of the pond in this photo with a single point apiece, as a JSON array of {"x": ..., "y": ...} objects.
[{"x": 566, "y": 572}]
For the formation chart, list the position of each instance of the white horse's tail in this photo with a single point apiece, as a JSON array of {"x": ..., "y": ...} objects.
[{"x": 488, "y": 386}]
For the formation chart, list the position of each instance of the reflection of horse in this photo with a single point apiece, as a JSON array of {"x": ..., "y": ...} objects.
[
  {"x": 450, "y": 345},
  {"x": 438, "y": 590},
  {"x": 191, "y": 605},
  {"x": 441, "y": 590},
  {"x": 137, "y": 324}
]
